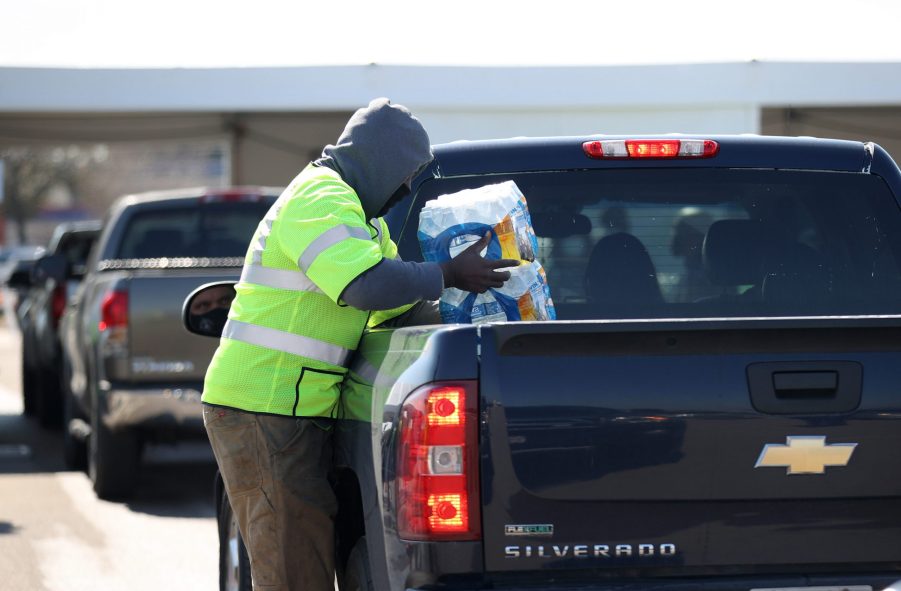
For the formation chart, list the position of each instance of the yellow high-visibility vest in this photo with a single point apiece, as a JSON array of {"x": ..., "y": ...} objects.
[{"x": 288, "y": 339}]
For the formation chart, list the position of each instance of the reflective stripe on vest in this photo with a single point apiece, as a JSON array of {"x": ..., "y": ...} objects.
[
  {"x": 330, "y": 237},
  {"x": 278, "y": 278},
  {"x": 377, "y": 224},
  {"x": 265, "y": 228},
  {"x": 286, "y": 342}
]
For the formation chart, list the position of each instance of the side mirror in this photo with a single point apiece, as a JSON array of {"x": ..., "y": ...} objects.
[
  {"x": 51, "y": 266},
  {"x": 206, "y": 308},
  {"x": 19, "y": 278}
]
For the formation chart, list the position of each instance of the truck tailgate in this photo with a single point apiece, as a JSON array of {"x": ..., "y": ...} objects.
[
  {"x": 739, "y": 445},
  {"x": 160, "y": 348}
]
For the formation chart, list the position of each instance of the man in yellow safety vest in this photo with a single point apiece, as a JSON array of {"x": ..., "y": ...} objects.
[{"x": 320, "y": 266}]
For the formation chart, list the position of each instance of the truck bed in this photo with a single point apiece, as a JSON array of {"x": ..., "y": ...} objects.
[{"x": 649, "y": 455}]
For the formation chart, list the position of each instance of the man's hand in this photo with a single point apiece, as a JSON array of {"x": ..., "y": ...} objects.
[{"x": 470, "y": 272}]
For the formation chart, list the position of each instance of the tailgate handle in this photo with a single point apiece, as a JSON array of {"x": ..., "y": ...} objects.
[
  {"x": 805, "y": 387},
  {"x": 805, "y": 384}
]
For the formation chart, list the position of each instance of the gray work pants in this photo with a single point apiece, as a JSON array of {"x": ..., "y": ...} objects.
[{"x": 275, "y": 472}]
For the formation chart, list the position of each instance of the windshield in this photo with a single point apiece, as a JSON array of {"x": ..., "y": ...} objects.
[
  {"x": 695, "y": 242},
  {"x": 75, "y": 246}
]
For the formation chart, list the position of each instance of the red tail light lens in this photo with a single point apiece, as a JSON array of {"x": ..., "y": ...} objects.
[
  {"x": 444, "y": 408},
  {"x": 58, "y": 303},
  {"x": 114, "y": 310},
  {"x": 653, "y": 149},
  {"x": 630, "y": 149},
  {"x": 437, "y": 464}
]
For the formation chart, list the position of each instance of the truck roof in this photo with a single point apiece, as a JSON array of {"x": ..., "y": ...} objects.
[
  {"x": 735, "y": 151},
  {"x": 195, "y": 193}
]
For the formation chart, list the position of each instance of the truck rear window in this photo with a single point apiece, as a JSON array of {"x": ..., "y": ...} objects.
[
  {"x": 695, "y": 242},
  {"x": 218, "y": 229}
]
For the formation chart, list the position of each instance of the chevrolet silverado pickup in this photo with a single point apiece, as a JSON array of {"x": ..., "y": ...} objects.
[
  {"x": 130, "y": 374},
  {"x": 716, "y": 407}
]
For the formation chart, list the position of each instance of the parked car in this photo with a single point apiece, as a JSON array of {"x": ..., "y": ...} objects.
[
  {"x": 53, "y": 278},
  {"x": 131, "y": 374},
  {"x": 646, "y": 439}
]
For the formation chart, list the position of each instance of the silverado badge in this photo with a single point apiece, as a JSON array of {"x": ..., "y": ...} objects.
[{"x": 805, "y": 455}]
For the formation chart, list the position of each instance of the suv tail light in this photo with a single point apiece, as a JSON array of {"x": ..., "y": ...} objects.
[
  {"x": 58, "y": 303},
  {"x": 669, "y": 148},
  {"x": 437, "y": 464}
]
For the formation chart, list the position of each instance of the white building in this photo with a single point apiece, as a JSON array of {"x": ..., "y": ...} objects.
[{"x": 168, "y": 127}]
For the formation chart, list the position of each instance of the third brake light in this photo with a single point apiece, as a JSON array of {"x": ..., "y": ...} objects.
[{"x": 650, "y": 148}]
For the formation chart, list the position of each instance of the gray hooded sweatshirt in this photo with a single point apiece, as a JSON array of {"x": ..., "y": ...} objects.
[{"x": 382, "y": 147}]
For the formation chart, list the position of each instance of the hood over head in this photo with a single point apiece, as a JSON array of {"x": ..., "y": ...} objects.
[{"x": 382, "y": 146}]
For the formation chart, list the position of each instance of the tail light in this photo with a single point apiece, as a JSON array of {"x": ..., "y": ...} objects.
[
  {"x": 58, "y": 303},
  {"x": 113, "y": 323},
  {"x": 114, "y": 311},
  {"x": 437, "y": 464},
  {"x": 669, "y": 148}
]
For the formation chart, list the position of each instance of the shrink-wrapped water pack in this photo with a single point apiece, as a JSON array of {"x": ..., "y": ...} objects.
[{"x": 450, "y": 223}]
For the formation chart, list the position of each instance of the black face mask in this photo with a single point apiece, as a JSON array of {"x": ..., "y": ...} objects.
[
  {"x": 212, "y": 322},
  {"x": 398, "y": 196}
]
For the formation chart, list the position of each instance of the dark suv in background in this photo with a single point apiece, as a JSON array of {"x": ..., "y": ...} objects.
[{"x": 40, "y": 313}]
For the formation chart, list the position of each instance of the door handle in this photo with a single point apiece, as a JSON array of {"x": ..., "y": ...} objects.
[
  {"x": 805, "y": 384},
  {"x": 805, "y": 387}
]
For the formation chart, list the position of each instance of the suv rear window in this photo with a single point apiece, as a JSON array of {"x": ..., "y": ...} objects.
[
  {"x": 668, "y": 243},
  {"x": 217, "y": 229}
]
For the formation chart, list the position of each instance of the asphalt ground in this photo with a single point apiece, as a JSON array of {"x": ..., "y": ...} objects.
[{"x": 56, "y": 535}]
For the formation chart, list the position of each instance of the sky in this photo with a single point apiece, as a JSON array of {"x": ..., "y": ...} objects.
[{"x": 253, "y": 33}]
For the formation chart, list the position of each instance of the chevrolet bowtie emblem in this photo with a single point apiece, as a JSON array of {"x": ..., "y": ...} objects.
[{"x": 805, "y": 455}]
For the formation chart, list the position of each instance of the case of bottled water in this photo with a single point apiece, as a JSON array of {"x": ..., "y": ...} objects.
[{"x": 450, "y": 223}]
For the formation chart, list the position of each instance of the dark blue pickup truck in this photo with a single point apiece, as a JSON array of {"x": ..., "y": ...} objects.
[{"x": 717, "y": 405}]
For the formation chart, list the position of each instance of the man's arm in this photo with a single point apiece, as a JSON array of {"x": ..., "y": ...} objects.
[{"x": 393, "y": 283}]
